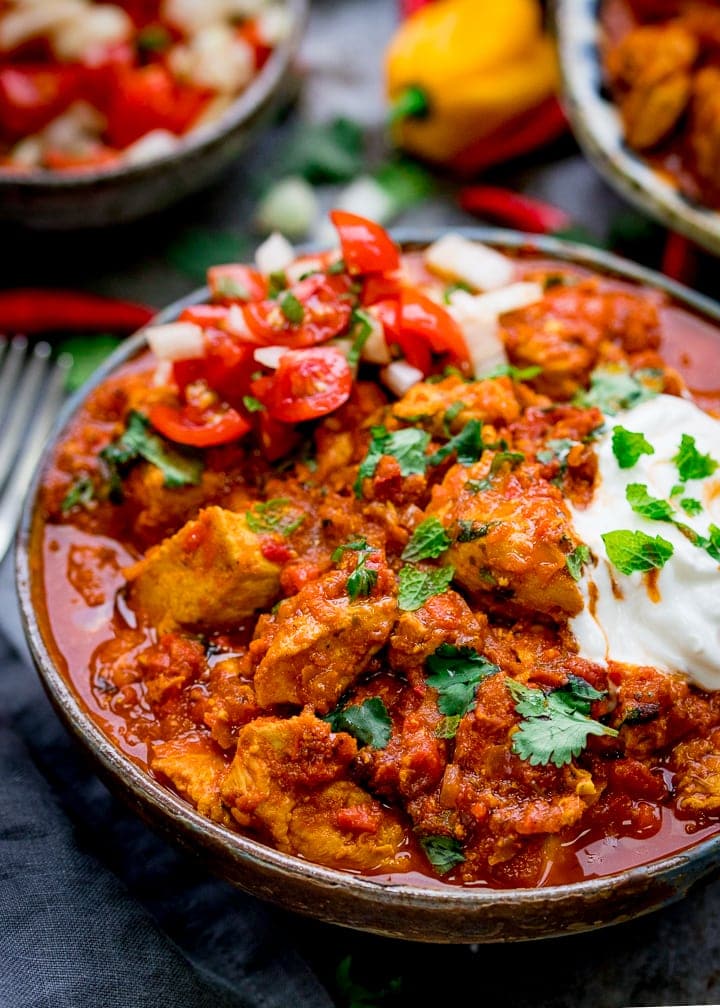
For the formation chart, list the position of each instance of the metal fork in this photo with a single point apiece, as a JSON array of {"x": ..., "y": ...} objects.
[{"x": 32, "y": 386}]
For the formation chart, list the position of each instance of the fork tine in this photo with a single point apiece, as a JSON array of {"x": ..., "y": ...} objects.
[
  {"x": 14, "y": 493},
  {"x": 11, "y": 364},
  {"x": 24, "y": 401}
]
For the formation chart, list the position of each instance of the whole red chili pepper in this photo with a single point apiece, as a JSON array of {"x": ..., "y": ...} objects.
[
  {"x": 679, "y": 260},
  {"x": 513, "y": 210},
  {"x": 534, "y": 129},
  {"x": 29, "y": 310}
]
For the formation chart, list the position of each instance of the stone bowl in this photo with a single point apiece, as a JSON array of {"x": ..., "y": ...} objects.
[
  {"x": 91, "y": 199},
  {"x": 418, "y": 911}
]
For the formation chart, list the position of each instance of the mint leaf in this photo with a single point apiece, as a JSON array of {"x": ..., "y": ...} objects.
[
  {"x": 456, "y": 673},
  {"x": 278, "y": 516},
  {"x": 467, "y": 445},
  {"x": 443, "y": 853},
  {"x": 407, "y": 446},
  {"x": 614, "y": 388},
  {"x": 138, "y": 441},
  {"x": 628, "y": 446},
  {"x": 691, "y": 506},
  {"x": 368, "y": 722},
  {"x": 428, "y": 541},
  {"x": 635, "y": 551},
  {"x": 576, "y": 560},
  {"x": 555, "y": 726},
  {"x": 691, "y": 464},
  {"x": 643, "y": 504},
  {"x": 417, "y": 585}
]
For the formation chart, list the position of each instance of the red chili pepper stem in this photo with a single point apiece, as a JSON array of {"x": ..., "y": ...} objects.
[{"x": 28, "y": 310}]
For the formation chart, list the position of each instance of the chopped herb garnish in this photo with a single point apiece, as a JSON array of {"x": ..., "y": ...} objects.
[
  {"x": 361, "y": 330},
  {"x": 451, "y": 288},
  {"x": 576, "y": 560},
  {"x": 229, "y": 287},
  {"x": 428, "y": 541},
  {"x": 467, "y": 445},
  {"x": 516, "y": 373},
  {"x": 691, "y": 464},
  {"x": 153, "y": 38},
  {"x": 649, "y": 507},
  {"x": 418, "y": 585},
  {"x": 450, "y": 414},
  {"x": 614, "y": 388},
  {"x": 278, "y": 516},
  {"x": 336, "y": 267},
  {"x": 557, "y": 450},
  {"x": 80, "y": 494},
  {"x": 555, "y": 726},
  {"x": 456, "y": 673},
  {"x": 138, "y": 441},
  {"x": 635, "y": 551},
  {"x": 443, "y": 853},
  {"x": 628, "y": 446},
  {"x": 251, "y": 404},
  {"x": 469, "y": 531},
  {"x": 277, "y": 283},
  {"x": 363, "y": 579},
  {"x": 678, "y": 489},
  {"x": 407, "y": 446},
  {"x": 368, "y": 722},
  {"x": 291, "y": 308},
  {"x": 691, "y": 506}
]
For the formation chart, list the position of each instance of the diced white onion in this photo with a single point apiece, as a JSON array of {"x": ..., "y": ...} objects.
[
  {"x": 460, "y": 259},
  {"x": 244, "y": 8},
  {"x": 192, "y": 15},
  {"x": 29, "y": 20},
  {"x": 375, "y": 349},
  {"x": 506, "y": 299},
  {"x": 28, "y": 153},
  {"x": 274, "y": 255},
  {"x": 157, "y": 143},
  {"x": 400, "y": 376},
  {"x": 274, "y": 24},
  {"x": 97, "y": 26},
  {"x": 163, "y": 374},
  {"x": 366, "y": 197},
  {"x": 343, "y": 346},
  {"x": 77, "y": 125},
  {"x": 176, "y": 341},
  {"x": 301, "y": 266},
  {"x": 481, "y": 330},
  {"x": 290, "y": 206},
  {"x": 216, "y": 58},
  {"x": 269, "y": 356},
  {"x": 235, "y": 323}
]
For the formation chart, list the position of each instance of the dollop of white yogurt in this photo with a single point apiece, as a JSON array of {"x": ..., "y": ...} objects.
[{"x": 669, "y": 619}]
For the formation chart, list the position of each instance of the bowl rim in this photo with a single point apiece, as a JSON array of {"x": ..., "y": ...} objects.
[
  {"x": 578, "y": 30},
  {"x": 197, "y": 139},
  {"x": 251, "y": 853}
]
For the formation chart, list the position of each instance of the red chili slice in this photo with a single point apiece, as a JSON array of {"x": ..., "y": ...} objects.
[{"x": 366, "y": 247}]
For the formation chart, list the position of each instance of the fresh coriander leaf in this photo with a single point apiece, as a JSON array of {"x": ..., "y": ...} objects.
[
  {"x": 576, "y": 560},
  {"x": 153, "y": 38},
  {"x": 478, "y": 486},
  {"x": 450, "y": 414},
  {"x": 362, "y": 580},
  {"x": 448, "y": 727},
  {"x": 417, "y": 585},
  {"x": 636, "y": 551},
  {"x": 555, "y": 726},
  {"x": 516, "y": 373},
  {"x": 467, "y": 445},
  {"x": 278, "y": 516},
  {"x": 360, "y": 545},
  {"x": 80, "y": 494},
  {"x": 510, "y": 458},
  {"x": 407, "y": 446},
  {"x": 330, "y": 152},
  {"x": 556, "y": 450},
  {"x": 196, "y": 250},
  {"x": 469, "y": 531},
  {"x": 277, "y": 283},
  {"x": 443, "y": 853},
  {"x": 691, "y": 506},
  {"x": 291, "y": 307},
  {"x": 643, "y": 504},
  {"x": 614, "y": 388},
  {"x": 251, "y": 404},
  {"x": 456, "y": 673},
  {"x": 88, "y": 353},
  {"x": 428, "y": 541},
  {"x": 336, "y": 267},
  {"x": 368, "y": 722},
  {"x": 138, "y": 441},
  {"x": 361, "y": 330},
  {"x": 628, "y": 446},
  {"x": 691, "y": 464}
]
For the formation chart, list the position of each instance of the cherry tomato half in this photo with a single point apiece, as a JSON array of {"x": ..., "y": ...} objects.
[
  {"x": 431, "y": 323},
  {"x": 226, "y": 367},
  {"x": 366, "y": 247},
  {"x": 325, "y": 308},
  {"x": 308, "y": 384},
  {"x": 236, "y": 283},
  {"x": 187, "y": 426}
]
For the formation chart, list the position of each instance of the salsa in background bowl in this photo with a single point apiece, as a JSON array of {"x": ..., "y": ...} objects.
[{"x": 417, "y": 793}]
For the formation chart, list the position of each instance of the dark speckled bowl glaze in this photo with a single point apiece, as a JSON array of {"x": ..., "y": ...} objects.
[
  {"x": 596, "y": 123},
  {"x": 64, "y": 200},
  {"x": 423, "y": 913}
]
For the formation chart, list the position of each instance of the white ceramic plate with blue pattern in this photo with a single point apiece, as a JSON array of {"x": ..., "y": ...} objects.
[{"x": 598, "y": 128}]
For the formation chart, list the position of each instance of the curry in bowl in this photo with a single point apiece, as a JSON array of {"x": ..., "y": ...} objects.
[{"x": 405, "y": 564}]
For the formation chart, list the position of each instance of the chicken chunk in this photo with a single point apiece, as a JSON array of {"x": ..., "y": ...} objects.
[
  {"x": 162, "y": 510},
  {"x": 492, "y": 401},
  {"x": 697, "y": 765},
  {"x": 211, "y": 573},
  {"x": 444, "y": 619},
  {"x": 515, "y": 536},
  {"x": 286, "y": 783},
  {"x": 320, "y": 641},
  {"x": 196, "y": 769}
]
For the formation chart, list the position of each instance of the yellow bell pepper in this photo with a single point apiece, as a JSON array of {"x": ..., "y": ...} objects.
[{"x": 461, "y": 70}]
